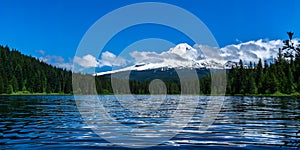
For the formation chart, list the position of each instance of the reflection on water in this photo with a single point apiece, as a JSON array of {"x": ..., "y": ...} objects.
[{"x": 244, "y": 122}]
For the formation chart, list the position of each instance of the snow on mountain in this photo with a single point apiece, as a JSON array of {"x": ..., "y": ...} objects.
[
  {"x": 186, "y": 56},
  {"x": 184, "y": 50},
  {"x": 181, "y": 56}
]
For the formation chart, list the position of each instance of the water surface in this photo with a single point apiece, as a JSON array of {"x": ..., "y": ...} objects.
[{"x": 243, "y": 123}]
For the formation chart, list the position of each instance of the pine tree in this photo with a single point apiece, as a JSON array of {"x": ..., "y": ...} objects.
[
  {"x": 298, "y": 86},
  {"x": 9, "y": 89},
  {"x": 14, "y": 83},
  {"x": 259, "y": 77},
  {"x": 250, "y": 65},
  {"x": 1, "y": 85},
  {"x": 290, "y": 87},
  {"x": 251, "y": 85}
]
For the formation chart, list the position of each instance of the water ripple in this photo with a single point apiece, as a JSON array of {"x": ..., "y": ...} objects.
[{"x": 244, "y": 122}]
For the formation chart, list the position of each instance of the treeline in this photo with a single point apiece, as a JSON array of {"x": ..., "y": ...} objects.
[
  {"x": 20, "y": 73},
  {"x": 263, "y": 78},
  {"x": 281, "y": 76},
  {"x": 26, "y": 74},
  {"x": 166, "y": 86},
  {"x": 103, "y": 85}
]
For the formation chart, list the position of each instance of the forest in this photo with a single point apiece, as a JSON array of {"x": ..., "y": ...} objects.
[
  {"x": 26, "y": 74},
  {"x": 282, "y": 76}
]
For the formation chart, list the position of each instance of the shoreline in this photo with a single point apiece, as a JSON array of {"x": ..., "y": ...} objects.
[
  {"x": 64, "y": 94},
  {"x": 36, "y": 94}
]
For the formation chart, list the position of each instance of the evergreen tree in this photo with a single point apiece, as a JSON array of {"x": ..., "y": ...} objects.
[
  {"x": 14, "y": 84},
  {"x": 251, "y": 85},
  {"x": 1, "y": 85},
  {"x": 9, "y": 89},
  {"x": 259, "y": 77},
  {"x": 19, "y": 76},
  {"x": 290, "y": 85}
]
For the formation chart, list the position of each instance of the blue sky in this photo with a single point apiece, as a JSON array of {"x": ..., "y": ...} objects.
[{"x": 57, "y": 26}]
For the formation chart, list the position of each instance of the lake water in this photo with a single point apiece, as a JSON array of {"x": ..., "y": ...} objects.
[{"x": 54, "y": 122}]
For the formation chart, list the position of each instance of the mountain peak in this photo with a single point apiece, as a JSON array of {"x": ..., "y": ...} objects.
[
  {"x": 181, "y": 56},
  {"x": 181, "y": 49}
]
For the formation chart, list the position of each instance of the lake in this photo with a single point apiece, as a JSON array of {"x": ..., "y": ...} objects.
[{"x": 55, "y": 122}]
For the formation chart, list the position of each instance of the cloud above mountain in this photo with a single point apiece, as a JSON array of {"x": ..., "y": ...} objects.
[
  {"x": 248, "y": 51},
  {"x": 181, "y": 55},
  {"x": 87, "y": 61},
  {"x": 252, "y": 50},
  {"x": 110, "y": 59},
  {"x": 184, "y": 54},
  {"x": 153, "y": 57},
  {"x": 107, "y": 59}
]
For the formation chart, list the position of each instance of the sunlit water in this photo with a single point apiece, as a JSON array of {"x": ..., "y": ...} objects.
[{"x": 243, "y": 122}]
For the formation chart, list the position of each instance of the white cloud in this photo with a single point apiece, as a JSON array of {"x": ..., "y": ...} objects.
[
  {"x": 247, "y": 51},
  {"x": 107, "y": 59},
  {"x": 55, "y": 60},
  {"x": 180, "y": 53},
  {"x": 252, "y": 50},
  {"x": 86, "y": 61},
  {"x": 207, "y": 52},
  {"x": 110, "y": 59},
  {"x": 149, "y": 57}
]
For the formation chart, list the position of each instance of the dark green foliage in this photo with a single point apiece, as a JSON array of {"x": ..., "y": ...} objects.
[
  {"x": 278, "y": 77},
  {"x": 1, "y": 85},
  {"x": 24, "y": 73},
  {"x": 281, "y": 76},
  {"x": 9, "y": 89}
]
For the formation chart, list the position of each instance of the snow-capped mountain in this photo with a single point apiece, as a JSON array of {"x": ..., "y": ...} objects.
[{"x": 182, "y": 56}]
